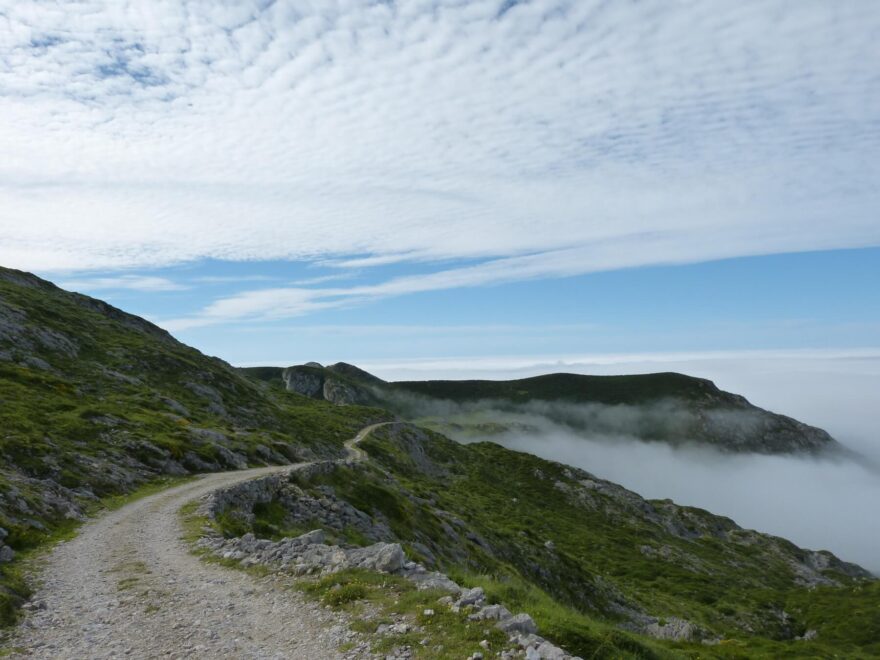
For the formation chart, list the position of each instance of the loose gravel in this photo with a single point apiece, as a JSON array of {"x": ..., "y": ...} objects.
[{"x": 128, "y": 587}]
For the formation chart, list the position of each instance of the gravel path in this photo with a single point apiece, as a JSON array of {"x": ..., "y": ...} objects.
[{"x": 128, "y": 586}]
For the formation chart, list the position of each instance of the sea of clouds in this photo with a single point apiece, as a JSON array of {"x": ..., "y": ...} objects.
[{"x": 819, "y": 503}]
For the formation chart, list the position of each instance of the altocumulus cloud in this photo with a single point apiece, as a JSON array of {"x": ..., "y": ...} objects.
[{"x": 538, "y": 139}]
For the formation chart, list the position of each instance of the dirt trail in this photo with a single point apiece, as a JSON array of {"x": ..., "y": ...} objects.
[{"x": 128, "y": 586}]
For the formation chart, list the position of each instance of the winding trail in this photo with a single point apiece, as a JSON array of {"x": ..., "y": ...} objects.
[{"x": 127, "y": 586}]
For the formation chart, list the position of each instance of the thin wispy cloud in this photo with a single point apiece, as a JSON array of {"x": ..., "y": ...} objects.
[
  {"x": 232, "y": 279},
  {"x": 370, "y": 133},
  {"x": 656, "y": 247},
  {"x": 131, "y": 282},
  {"x": 397, "y": 331},
  {"x": 322, "y": 279}
]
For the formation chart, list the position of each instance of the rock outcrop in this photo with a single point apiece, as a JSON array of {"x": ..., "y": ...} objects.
[
  {"x": 663, "y": 407},
  {"x": 341, "y": 383},
  {"x": 309, "y": 554}
]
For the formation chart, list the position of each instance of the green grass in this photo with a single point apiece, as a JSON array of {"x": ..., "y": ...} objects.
[
  {"x": 121, "y": 407},
  {"x": 270, "y": 522},
  {"x": 194, "y": 526},
  {"x": 578, "y": 634},
  {"x": 512, "y": 503},
  {"x": 447, "y": 635},
  {"x": 127, "y": 583}
]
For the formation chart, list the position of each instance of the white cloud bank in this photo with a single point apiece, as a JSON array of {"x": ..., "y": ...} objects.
[
  {"x": 835, "y": 389},
  {"x": 815, "y": 503},
  {"x": 819, "y": 504},
  {"x": 551, "y": 139}
]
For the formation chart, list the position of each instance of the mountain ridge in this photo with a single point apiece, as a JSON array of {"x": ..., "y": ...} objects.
[{"x": 702, "y": 412}]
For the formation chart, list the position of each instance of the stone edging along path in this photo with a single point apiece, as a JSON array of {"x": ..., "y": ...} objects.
[{"x": 309, "y": 554}]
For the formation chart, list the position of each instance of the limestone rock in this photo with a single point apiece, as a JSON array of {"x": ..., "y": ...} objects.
[
  {"x": 491, "y": 613},
  {"x": 518, "y": 623},
  {"x": 384, "y": 557},
  {"x": 315, "y": 537},
  {"x": 306, "y": 381},
  {"x": 231, "y": 458},
  {"x": 340, "y": 393},
  {"x": 7, "y": 554},
  {"x": 475, "y": 596}
]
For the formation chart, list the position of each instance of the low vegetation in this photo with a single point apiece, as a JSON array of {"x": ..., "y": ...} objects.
[
  {"x": 595, "y": 565},
  {"x": 406, "y": 616},
  {"x": 96, "y": 403}
]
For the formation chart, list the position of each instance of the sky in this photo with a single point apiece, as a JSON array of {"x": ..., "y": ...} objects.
[{"x": 277, "y": 182}]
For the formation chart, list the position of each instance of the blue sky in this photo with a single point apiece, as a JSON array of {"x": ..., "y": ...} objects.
[
  {"x": 827, "y": 299},
  {"x": 276, "y": 182}
]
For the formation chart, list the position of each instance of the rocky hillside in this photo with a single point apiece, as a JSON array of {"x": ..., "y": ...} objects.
[
  {"x": 604, "y": 572},
  {"x": 94, "y": 402},
  {"x": 662, "y": 407}
]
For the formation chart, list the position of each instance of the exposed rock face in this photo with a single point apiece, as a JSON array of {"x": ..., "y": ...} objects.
[
  {"x": 519, "y": 623},
  {"x": 341, "y": 393},
  {"x": 211, "y": 396},
  {"x": 672, "y": 628},
  {"x": 748, "y": 428},
  {"x": 54, "y": 502},
  {"x": 301, "y": 508},
  {"x": 6, "y": 553},
  {"x": 304, "y": 380},
  {"x": 309, "y": 554},
  {"x": 317, "y": 382}
]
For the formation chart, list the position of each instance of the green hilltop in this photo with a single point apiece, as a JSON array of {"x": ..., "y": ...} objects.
[{"x": 662, "y": 407}]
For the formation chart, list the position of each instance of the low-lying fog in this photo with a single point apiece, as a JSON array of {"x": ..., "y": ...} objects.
[{"x": 819, "y": 504}]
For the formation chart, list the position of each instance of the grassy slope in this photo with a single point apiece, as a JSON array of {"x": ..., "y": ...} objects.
[
  {"x": 95, "y": 402},
  {"x": 502, "y": 507}
]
